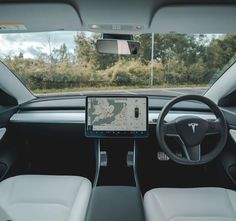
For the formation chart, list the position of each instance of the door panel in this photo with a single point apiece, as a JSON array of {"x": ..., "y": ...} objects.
[
  {"x": 227, "y": 173},
  {"x": 7, "y": 153}
]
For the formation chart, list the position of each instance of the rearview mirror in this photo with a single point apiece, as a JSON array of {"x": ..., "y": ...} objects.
[{"x": 120, "y": 47}]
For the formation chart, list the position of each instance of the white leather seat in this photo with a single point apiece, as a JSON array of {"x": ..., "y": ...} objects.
[
  {"x": 44, "y": 198},
  {"x": 197, "y": 204}
]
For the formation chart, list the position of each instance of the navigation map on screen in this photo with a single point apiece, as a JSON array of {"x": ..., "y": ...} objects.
[{"x": 117, "y": 114}]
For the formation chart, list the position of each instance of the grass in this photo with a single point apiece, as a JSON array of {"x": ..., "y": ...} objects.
[
  {"x": 82, "y": 89},
  {"x": 108, "y": 88}
]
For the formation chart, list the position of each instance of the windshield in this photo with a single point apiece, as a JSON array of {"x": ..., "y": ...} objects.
[{"x": 60, "y": 63}]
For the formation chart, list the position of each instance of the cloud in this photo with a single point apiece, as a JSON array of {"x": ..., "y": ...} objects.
[
  {"x": 32, "y": 44},
  {"x": 34, "y": 51}
]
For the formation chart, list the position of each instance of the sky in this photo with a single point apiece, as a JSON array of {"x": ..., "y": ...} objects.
[{"x": 33, "y": 44}]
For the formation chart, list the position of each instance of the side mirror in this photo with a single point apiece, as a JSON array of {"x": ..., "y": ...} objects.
[{"x": 120, "y": 47}]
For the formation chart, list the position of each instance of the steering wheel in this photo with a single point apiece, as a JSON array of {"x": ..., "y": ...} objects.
[{"x": 190, "y": 131}]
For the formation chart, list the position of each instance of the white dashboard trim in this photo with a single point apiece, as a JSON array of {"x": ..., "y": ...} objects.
[
  {"x": 233, "y": 134},
  {"x": 2, "y": 132},
  {"x": 79, "y": 117}
]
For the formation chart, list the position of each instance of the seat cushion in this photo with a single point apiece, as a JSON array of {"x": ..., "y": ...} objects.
[
  {"x": 196, "y": 204},
  {"x": 44, "y": 198}
]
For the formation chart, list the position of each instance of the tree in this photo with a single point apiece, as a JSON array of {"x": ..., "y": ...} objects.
[
  {"x": 21, "y": 55},
  {"x": 218, "y": 53},
  {"x": 145, "y": 47},
  {"x": 83, "y": 49},
  {"x": 61, "y": 55}
]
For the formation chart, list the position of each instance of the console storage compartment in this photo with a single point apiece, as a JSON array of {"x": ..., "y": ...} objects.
[{"x": 115, "y": 203}]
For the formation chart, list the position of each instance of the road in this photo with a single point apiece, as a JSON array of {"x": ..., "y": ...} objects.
[{"x": 147, "y": 91}]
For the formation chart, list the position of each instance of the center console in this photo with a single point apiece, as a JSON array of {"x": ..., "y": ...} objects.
[{"x": 115, "y": 122}]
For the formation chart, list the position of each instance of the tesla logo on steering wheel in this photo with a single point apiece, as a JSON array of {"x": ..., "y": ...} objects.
[{"x": 193, "y": 125}]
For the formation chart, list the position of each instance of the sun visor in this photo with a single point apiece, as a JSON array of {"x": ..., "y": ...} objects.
[
  {"x": 38, "y": 17},
  {"x": 195, "y": 19}
]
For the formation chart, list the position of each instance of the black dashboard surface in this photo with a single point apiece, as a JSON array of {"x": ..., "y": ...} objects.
[{"x": 78, "y": 103}]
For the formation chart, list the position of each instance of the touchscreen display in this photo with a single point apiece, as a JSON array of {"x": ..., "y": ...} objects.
[{"x": 116, "y": 116}]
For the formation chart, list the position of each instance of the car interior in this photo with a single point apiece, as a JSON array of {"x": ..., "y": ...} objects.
[{"x": 62, "y": 158}]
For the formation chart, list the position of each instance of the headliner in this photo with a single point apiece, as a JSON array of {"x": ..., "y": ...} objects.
[{"x": 124, "y": 16}]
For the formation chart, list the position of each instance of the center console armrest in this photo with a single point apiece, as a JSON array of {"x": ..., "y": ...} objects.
[{"x": 115, "y": 203}]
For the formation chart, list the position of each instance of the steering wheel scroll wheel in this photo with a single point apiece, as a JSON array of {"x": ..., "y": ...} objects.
[{"x": 190, "y": 132}]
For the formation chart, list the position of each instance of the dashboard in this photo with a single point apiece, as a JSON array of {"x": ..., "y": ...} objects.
[
  {"x": 48, "y": 124},
  {"x": 72, "y": 111}
]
